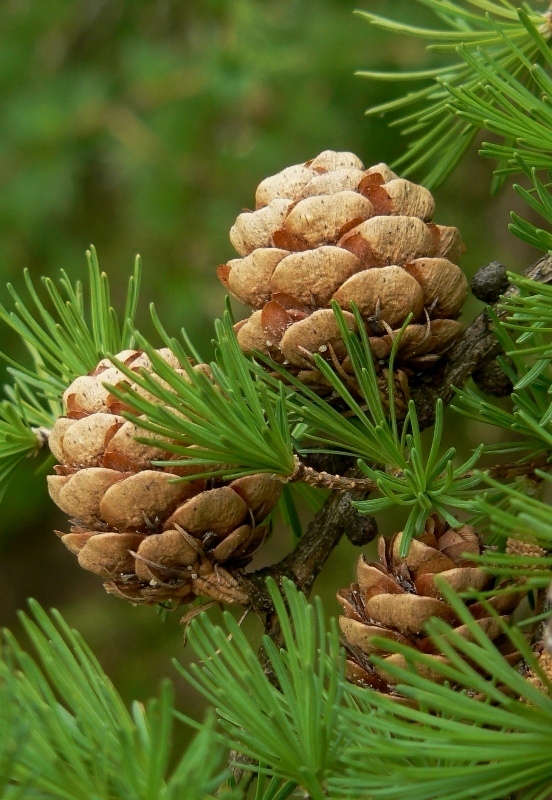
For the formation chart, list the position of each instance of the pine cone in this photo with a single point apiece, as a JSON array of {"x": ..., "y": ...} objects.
[
  {"x": 395, "y": 598},
  {"x": 152, "y": 539},
  {"x": 329, "y": 229}
]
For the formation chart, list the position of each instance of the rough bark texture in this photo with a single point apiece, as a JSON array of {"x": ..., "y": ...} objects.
[{"x": 491, "y": 379}]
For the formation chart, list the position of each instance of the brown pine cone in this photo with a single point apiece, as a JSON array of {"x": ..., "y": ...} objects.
[
  {"x": 152, "y": 539},
  {"x": 331, "y": 230},
  {"x": 396, "y": 597}
]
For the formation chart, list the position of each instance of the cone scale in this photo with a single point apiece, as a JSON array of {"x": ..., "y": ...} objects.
[
  {"x": 331, "y": 230},
  {"x": 151, "y": 537}
]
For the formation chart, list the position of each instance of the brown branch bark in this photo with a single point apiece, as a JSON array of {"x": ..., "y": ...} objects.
[
  {"x": 341, "y": 483},
  {"x": 328, "y": 480},
  {"x": 304, "y": 563}
]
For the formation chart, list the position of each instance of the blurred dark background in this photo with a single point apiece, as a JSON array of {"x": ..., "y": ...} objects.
[{"x": 145, "y": 126}]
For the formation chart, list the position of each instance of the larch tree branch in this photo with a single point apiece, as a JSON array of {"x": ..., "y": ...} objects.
[{"x": 476, "y": 348}]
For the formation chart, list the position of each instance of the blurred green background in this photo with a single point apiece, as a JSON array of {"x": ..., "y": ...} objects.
[{"x": 145, "y": 126}]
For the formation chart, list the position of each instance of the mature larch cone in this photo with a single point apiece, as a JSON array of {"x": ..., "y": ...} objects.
[
  {"x": 331, "y": 230},
  {"x": 394, "y": 599},
  {"x": 150, "y": 538}
]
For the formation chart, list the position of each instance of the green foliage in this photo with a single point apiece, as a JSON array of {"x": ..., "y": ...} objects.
[
  {"x": 427, "y": 485},
  {"x": 251, "y": 422},
  {"x": 292, "y": 730},
  {"x": 500, "y": 83},
  {"x": 470, "y": 737},
  {"x": 540, "y": 200},
  {"x": 239, "y": 425},
  {"x": 510, "y": 107},
  {"x": 524, "y": 518},
  {"x": 481, "y": 742},
  {"x": 17, "y": 439},
  {"x": 518, "y": 112},
  {"x": 64, "y": 341},
  {"x": 528, "y": 315},
  {"x": 274, "y": 790},
  {"x": 508, "y": 40},
  {"x": 522, "y": 326},
  {"x": 296, "y": 496},
  {"x": 67, "y": 733},
  {"x": 70, "y": 339},
  {"x": 372, "y": 434},
  {"x": 65, "y": 729}
]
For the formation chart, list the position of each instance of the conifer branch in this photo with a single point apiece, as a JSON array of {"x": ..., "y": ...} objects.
[
  {"x": 65, "y": 338},
  {"x": 512, "y": 39},
  {"x": 442, "y": 742},
  {"x": 325, "y": 480},
  {"x": 65, "y": 732},
  {"x": 343, "y": 483},
  {"x": 294, "y": 727},
  {"x": 476, "y": 347}
]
